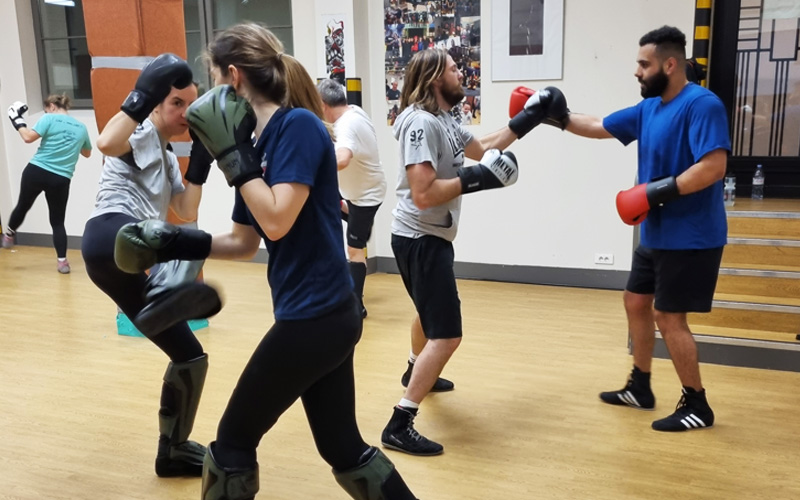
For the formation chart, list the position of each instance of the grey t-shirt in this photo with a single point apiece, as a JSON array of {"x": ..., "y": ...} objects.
[
  {"x": 437, "y": 139},
  {"x": 142, "y": 182}
]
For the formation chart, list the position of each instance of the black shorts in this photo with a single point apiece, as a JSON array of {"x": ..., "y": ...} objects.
[
  {"x": 682, "y": 280},
  {"x": 426, "y": 266},
  {"x": 359, "y": 224}
]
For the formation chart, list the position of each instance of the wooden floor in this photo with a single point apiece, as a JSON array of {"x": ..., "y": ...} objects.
[{"x": 78, "y": 402}]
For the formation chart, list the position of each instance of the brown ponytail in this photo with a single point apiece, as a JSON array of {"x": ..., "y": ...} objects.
[
  {"x": 275, "y": 75},
  {"x": 302, "y": 93},
  {"x": 59, "y": 100}
]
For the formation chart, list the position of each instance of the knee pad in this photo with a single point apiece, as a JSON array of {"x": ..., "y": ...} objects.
[{"x": 173, "y": 295}]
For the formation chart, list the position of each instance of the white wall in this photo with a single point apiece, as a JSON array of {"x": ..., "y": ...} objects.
[
  {"x": 19, "y": 81},
  {"x": 559, "y": 214},
  {"x": 561, "y": 211},
  {"x": 12, "y": 88}
]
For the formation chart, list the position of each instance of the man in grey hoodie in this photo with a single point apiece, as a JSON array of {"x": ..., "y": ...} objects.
[{"x": 431, "y": 181}]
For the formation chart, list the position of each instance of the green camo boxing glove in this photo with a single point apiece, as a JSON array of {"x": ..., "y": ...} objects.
[
  {"x": 224, "y": 123},
  {"x": 140, "y": 245}
]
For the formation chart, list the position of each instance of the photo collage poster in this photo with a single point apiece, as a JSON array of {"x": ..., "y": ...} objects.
[{"x": 453, "y": 25}]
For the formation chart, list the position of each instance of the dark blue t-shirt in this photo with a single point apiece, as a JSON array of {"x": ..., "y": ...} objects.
[
  {"x": 307, "y": 269},
  {"x": 673, "y": 137}
]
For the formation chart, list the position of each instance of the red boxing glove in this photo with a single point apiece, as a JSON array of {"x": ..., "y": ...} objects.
[
  {"x": 632, "y": 205},
  {"x": 527, "y": 108},
  {"x": 519, "y": 96}
]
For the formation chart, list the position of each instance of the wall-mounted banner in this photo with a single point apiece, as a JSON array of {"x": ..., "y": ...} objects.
[
  {"x": 453, "y": 25},
  {"x": 334, "y": 26}
]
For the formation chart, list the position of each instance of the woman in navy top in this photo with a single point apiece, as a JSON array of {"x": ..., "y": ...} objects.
[{"x": 294, "y": 208}]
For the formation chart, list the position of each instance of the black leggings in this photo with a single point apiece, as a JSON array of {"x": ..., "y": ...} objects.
[
  {"x": 127, "y": 290},
  {"x": 308, "y": 359},
  {"x": 56, "y": 191}
]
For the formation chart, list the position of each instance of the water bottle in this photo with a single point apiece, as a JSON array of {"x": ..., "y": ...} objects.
[
  {"x": 729, "y": 191},
  {"x": 758, "y": 184}
]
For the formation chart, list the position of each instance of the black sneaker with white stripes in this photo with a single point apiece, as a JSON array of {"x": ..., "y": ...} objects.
[
  {"x": 692, "y": 412},
  {"x": 632, "y": 395}
]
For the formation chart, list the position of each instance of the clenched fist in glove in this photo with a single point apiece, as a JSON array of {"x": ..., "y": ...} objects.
[
  {"x": 633, "y": 204},
  {"x": 155, "y": 83},
  {"x": 496, "y": 169},
  {"x": 15, "y": 112},
  {"x": 141, "y": 245},
  {"x": 528, "y": 108},
  {"x": 224, "y": 123}
]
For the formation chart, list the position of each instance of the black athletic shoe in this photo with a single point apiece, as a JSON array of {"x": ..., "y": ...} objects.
[
  {"x": 400, "y": 435},
  {"x": 184, "y": 459},
  {"x": 631, "y": 395},
  {"x": 692, "y": 412},
  {"x": 441, "y": 384}
]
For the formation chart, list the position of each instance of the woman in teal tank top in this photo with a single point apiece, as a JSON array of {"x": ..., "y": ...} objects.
[{"x": 50, "y": 170}]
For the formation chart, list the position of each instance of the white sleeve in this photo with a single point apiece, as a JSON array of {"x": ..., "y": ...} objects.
[{"x": 347, "y": 135}]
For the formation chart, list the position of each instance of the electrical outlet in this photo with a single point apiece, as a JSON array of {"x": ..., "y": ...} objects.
[{"x": 604, "y": 258}]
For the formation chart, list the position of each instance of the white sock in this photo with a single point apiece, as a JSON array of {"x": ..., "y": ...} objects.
[
  {"x": 61, "y": 259},
  {"x": 412, "y": 358},
  {"x": 407, "y": 403}
]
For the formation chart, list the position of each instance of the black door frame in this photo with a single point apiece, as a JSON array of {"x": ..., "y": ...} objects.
[{"x": 782, "y": 173}]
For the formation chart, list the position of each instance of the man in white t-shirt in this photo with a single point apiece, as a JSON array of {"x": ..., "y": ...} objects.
[{"x": 362, "y": 184}]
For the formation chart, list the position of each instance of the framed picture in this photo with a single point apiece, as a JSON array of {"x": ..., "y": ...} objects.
[
  {"x": 411, "y": 26},
  {"x": 527, "y": 39}
]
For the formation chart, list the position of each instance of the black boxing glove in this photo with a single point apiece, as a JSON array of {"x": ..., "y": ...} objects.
[{"x": 155, "y": 83}]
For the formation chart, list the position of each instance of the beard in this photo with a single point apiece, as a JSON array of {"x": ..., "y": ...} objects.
[
  {"x": 453, "y": 96},
  {"x": 655, "y": 85}
]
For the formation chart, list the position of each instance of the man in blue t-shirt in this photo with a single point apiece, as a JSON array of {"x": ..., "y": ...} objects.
[{"x": 683, "y": 146}]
